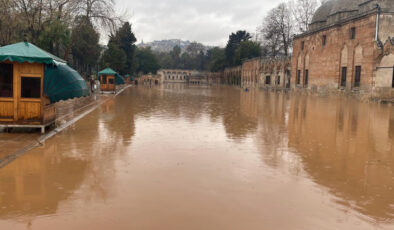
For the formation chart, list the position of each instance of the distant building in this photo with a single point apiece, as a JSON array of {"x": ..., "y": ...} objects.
[
  {"x": 349, "y": 47},
  {"x": 175, "y": 75},
  {"x": 272, "y": 73}
]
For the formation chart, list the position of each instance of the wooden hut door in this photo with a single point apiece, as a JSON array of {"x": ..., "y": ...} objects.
[
  {"x": 29, "y": 92},
  {"x": 111, "y": 82},
  {"x": 7, "y": 92},
  {"x": 103, "y": 82}
]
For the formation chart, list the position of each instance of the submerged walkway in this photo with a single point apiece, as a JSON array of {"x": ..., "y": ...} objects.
[
  {"x": 180, "y": 157},
  {"x": 19, "y": 141}
]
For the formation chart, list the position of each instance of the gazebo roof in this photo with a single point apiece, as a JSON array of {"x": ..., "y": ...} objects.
[
  {"x": 26, "y": 52},
  {"x": 107, "y": 71}
]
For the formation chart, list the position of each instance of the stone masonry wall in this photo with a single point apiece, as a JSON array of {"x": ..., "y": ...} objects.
[{"x": 324, "y": 62}]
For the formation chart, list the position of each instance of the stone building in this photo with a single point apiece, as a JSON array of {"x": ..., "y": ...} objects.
[
  {"x": 232, "y": 76},
  {"x": 251, "y": 72},
  {"x": 349, "y": 47},
  {"x": 215, "y": 78},
  {"x": 272, "y": 73},
  {"x": 175, "y": 75},
  {"x": 275, "y": 73}
]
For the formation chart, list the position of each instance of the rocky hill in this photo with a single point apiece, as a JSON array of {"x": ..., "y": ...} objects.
[{"x": 167, "y": 45}]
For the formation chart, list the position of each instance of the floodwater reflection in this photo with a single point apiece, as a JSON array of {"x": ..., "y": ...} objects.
[{"x": 179, "y": 157}]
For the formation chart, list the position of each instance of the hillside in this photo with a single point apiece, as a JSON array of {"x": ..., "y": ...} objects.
[{"x": 168, "y": 45}]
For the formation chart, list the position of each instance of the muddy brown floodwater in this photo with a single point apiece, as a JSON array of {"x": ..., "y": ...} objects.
[{"x": 182, "y": 157}]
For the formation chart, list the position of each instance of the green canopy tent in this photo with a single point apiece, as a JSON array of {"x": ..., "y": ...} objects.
[
  {"x": 61, "y": 82},
  {"x": 119, "y": 80},
  {"x": 131, "y": 78},
  {"x": 26, "y": 52}
]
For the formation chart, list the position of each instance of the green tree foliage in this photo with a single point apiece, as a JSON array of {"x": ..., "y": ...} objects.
[
  {"x": 121, "y": 52},
  {"x": 176, "y": 57},
  {"x": 55, "y": 38},
  {"x": 217, "y": 58},
  {"x": 194, "y": 58},
  {"x": 66, "y": 28},
  {"x": 125, "y": 39},
  {"x": 233, "y": 43},
  {"x": 164, "y": 59},
  {"x": 85, "y": 47},
  {"x": 246, "y": 50},
  {"x": 114, "y": 57},
  {"x": 147, "y": 61}
]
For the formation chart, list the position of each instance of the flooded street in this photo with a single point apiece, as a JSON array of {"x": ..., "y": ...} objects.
[{"x": 179, "y": 157}]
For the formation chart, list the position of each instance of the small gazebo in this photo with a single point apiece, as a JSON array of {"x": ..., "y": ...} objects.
[
  {"x": 107, "y": 80},
  {"x": 31, "y": 81}
]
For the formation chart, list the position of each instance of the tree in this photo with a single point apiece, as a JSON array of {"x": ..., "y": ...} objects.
[
  {"x": 85, "y": 47},
  {"x": 234, "y": 41},
  {"x": 277, "y": 31},
  {"x": 10, "y": 24},
  {"x": 176, "y": 57},
  {"x": 114, "y": 57},
  {"x": 164, "y": 59},
  {"x": 303, "y": 11},
  {"x": 100, "y": 12},
  {"x": 217, "y": 58},
  {"x": 55, "y": 38},
  {"x": 125, "y": 39},
  {"x": 147, "y": 62},
  {"x": 194, "y": 49},
  {"x": 247, "y": 50}
]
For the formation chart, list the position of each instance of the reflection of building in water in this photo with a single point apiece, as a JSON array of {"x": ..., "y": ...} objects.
[
  {"x": 148, "y": 79},
  {"x": 347, "y": 147},
  {"x": 344, "y": 145}
]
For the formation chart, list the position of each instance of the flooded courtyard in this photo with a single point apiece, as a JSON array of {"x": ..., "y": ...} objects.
[{"x": 179, "y": 157}]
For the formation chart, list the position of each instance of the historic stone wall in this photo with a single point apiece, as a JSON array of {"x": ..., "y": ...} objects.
[
  {"x": 232, "y": 76},
  {"x": 174, "y": 75},
  {"x": 318, "y": 67},
  {"x": 343, "y": 58},
  {"x": 251, "y": 72},
  {"x": 275, "y": 73}
]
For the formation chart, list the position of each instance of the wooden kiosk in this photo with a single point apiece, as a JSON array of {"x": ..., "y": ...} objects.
[
  {"x": 22, "y": 100},
  {"x": 107, "y": 80}
]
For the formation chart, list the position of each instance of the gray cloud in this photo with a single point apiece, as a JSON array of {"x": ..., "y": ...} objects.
[{"x": 206, "y": 21}]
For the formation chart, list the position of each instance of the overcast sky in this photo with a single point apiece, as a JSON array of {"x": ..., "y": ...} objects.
[{"x": 207, "y": 21}]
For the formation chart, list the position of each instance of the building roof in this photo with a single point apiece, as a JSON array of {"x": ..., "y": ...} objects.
[
  {"x": 107, "y": 71},
  {"x": 337, "y": 11},
  {"x": 26, "y": 52}
]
